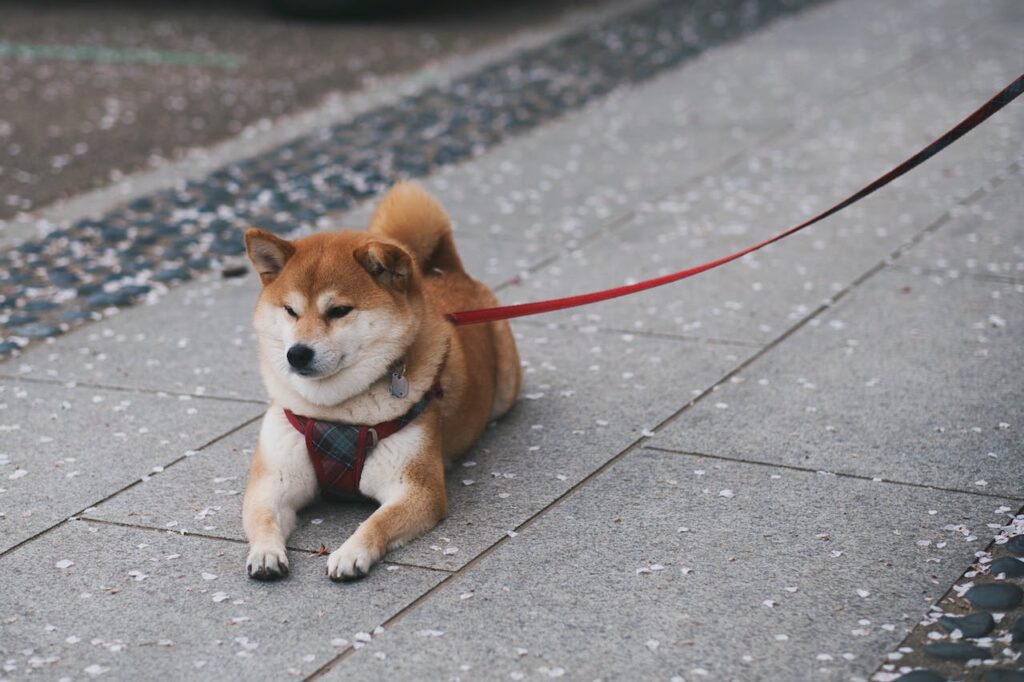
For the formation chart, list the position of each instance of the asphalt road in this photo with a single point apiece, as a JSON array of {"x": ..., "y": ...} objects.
[{"x": 92, "y": 91}]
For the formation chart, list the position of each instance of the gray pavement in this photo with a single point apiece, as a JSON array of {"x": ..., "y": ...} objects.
[
  {"x": 778, "y": 470},
  {"x": 606, "y": 586}
]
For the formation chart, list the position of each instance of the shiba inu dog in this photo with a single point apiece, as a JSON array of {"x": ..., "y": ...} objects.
[{"x": 372, "y": 390}]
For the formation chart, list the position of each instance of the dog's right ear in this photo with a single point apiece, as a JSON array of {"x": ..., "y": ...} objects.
[{"x": 268, "y": 253}]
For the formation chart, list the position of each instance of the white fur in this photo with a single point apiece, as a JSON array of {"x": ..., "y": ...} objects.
[
  {"x": 352, "y": 560},
  {"x": 382, "y": 475},
  {"x": 271, "y": 557},
  {"x": 296, "y": 302},
  {"x": 329, "y": 299},
  {"x": 290, "y": 484},
  {"x": 283, "y": 450}
]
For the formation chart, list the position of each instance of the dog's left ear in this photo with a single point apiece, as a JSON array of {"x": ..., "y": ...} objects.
[
  {"x": 268, "y": 253},
  {"x": 388, "y": 264}
]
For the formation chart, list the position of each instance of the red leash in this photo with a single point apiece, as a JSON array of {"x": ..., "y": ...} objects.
[{"x": 1007, "y": 95}]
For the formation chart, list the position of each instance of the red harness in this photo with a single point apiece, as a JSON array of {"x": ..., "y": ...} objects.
[{"x": 338, "y": 451}]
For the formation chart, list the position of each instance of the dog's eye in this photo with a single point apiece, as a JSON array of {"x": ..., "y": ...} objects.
[
  {"x": 288, "y": 309},
  {"x": 338, "y": 311}
]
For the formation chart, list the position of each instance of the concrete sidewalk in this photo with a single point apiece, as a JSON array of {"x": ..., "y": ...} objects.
[{"x": 790, "y": 468}]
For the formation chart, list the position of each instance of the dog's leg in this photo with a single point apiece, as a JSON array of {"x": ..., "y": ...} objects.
[
  {"x": 267, "y": 523},
  {"x": 281, "y": 481},
  {"x": 406, "y": 475}
]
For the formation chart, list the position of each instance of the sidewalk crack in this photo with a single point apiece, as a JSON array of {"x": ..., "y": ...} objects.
[{"x": 840, "y": 474}]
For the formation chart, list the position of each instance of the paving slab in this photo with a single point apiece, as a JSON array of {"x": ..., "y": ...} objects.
[
  {"x": 93, "y": 600},
  {"x": 586, "y": 397},
  {"x": 758, "y": 297},
  {"x": 197, "y": 340},
  {"x": 67, "y": 447},
  {"x": 985, "y": 239},
  {"x": 910, "y": 378},
  {"x": 670, "y": 565}
]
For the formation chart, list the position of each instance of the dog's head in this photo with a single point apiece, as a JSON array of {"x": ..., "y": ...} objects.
[{"x": 336, "y": 311}]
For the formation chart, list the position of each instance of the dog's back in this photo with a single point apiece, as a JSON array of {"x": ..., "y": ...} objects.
[{"x": 409, "y": 215}]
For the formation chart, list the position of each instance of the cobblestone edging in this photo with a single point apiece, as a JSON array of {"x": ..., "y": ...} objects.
[
  {"x": 94, "y": 266},
  {"x": 976, "y": 631}
]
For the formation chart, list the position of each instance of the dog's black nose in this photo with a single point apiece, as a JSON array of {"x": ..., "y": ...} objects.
[{"x": 299, "y": 356}]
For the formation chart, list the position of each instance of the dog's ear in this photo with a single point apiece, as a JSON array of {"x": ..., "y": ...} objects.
[
  {"x": 388, "y": 264},
  {"x": 268, "y": 253}
]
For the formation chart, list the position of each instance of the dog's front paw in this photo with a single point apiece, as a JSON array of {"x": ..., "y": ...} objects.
[
  {"x": 351, "y": 561},
  {"x": 267, "y": 563}
]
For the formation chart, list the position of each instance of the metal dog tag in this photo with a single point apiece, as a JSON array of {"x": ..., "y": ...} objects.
[{"x": 399, "y": 385}]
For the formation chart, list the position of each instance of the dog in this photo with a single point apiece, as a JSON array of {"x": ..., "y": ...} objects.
[{"x": 372, "y": 391}]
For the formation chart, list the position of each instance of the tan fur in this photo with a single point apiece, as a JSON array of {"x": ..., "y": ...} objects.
[
  {"x": 400, "y": 277},
  {"x": 411, "y": 216}
]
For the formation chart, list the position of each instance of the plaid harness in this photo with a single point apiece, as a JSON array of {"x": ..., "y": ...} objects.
[{"x": 339, "y": 451}]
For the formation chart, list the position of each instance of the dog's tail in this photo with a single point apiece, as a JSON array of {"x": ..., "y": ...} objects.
[{"x": 413, "y": 217}]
